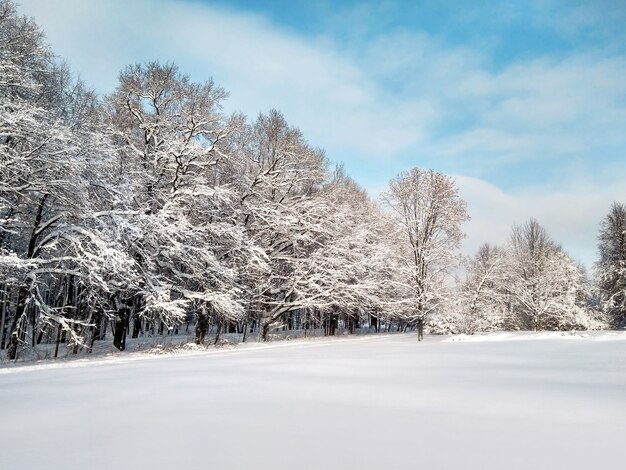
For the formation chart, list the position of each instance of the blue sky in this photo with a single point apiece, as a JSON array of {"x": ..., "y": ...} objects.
[{"x": 523, "y": 102}]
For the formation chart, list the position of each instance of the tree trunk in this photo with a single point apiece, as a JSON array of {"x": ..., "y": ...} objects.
[
  {"x": 420, "y": 329},
  {"x": 245, "y": 331},
  {"x": 95, "y": 333},
  {"x": 58, "y": 341},
  {"x": 334, "y": 320},
  {"x": 15, "y": 330},
  {"x": 121, "y": 325},
  {"x": 219, "y": 332},
  {"x": 119, "y": 332},
  {"x": 136, "y": 326},
  {"x": 265, "y": 329},
  {"x": 40, "y": 336},
  {"x": 202, "y": 327},
  {"x": 374, "y": 322},
  {"x": 72, "y": 299},
  {"x": 3, "y": 313}
]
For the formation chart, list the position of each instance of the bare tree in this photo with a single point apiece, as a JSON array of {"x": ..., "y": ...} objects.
[
  {"x": 483, "y": 296},
  {"x": 546, "y": 286},
  {"x": 428, "y": 213},
  {"x": 279, "y": 183},
  {"x": 186, "y": 240},
  {"x": 51, "y": 174}
]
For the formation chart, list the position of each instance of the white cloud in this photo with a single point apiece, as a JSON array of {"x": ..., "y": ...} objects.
[
  {"x": 572, "y": 215},
  {"x": 398, "y": 100},
  {"x": 333, "y": 99},
  {"x": 399, "y": 93}
]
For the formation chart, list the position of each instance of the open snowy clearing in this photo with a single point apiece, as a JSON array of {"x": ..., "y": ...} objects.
[{"x": 376, "y": 402}]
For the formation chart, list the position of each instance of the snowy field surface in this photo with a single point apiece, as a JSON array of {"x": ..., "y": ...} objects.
[{"x": 503, "y": 401}]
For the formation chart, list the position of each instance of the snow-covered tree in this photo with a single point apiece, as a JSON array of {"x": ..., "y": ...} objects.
[
  {"x": 278, "y": 180},
  {"x": 546, "y": 286},
  {"x": 611, "y": 268},
  {"x": 428, "y": 213},
  {"x": 482, "y": 301},
  {"x": 49, "y": 183},
  {"x": 350, "y": 267},
  {"x": 188, "y": 243}
]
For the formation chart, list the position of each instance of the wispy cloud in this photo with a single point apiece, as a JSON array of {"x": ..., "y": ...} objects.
[
  {"x": 398, "y": 97},
  {"x": 572, "y": 214},
  {"x": 331, "y": 96}
]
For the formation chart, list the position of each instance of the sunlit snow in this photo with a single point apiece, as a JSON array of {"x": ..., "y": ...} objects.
[{"x": 375, "y": 402}]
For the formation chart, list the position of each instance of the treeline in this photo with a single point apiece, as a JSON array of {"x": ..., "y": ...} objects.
[{"x": 150, "y": 209}]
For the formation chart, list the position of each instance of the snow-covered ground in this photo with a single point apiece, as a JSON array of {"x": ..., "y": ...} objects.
[{"x": 504, "y": 401}]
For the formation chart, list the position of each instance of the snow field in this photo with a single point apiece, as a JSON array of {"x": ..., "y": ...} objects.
[{"x": 375, "y": 402}]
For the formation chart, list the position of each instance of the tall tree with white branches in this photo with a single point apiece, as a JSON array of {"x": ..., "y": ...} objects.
[
  {"x": 428, "y": 213},
  {"x": 189, "y": 247},
  {"x": 546, "y": 287}
]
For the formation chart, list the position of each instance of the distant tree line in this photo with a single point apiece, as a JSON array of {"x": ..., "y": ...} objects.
[{"x": 150, "y": 211}]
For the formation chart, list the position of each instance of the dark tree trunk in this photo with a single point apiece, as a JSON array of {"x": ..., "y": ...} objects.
[
  {"x": 245, "y": 331},
  {"x": 121, "y": 325},
  {"x": 95, "y": 333},
  {"x": 72, "y": 300},
  {"x": 420, "y": 329},
  {"x": 265, "y": 329},
  {"x": 40, "y": 336},
  {"x": 3, "y": 313},
  {"x": 334, "y": 320},
  {"x": 219, "y": 331},
  {"x": 15, "y": 328},
  {"x": 20, "y": 307},
  {"x": 374, "y": 322},
  {"x": 119, "y": 331},
  {"x": 136, "y": 326},
  {"x": 58, "y": 341},
  {"x": 202, "y": 327},
  {"x": 330, "y": 324}
]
